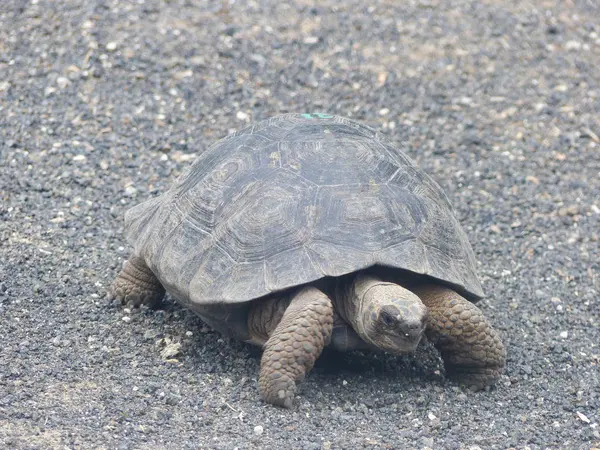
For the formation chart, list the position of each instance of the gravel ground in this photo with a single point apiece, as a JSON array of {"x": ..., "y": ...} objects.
[{"x": 104, "y": 103}]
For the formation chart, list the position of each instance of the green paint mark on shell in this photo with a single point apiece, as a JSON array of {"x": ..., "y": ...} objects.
[{"x": 317, "y": 116}]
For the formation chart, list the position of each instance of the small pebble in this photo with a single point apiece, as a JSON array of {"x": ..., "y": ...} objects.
[
  {"x": 62, "y": 82},
  {"x": 150, "y": 334},
  {"x": 130, "y": 191},
  {"x": 172, "y": 399},
  {"x": 571, "y": 210},
  {"x": 583, "y": 417},
  {"x": 171, "y": 349},
  {"x": 258, "y": 430},
  {"x": 427, "y": 442},
  {"x": 564, "y": 334},
  {"x": 126, "y": 319},
  {"x": 111, "y": 46}
]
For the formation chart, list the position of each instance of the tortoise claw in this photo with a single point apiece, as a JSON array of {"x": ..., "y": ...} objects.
[{"x": 136, "y": 285}]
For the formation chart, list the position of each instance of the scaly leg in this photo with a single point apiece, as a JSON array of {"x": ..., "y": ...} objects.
[
  {"x": 472, "y": 351},
  {"x": 294, "y": 345}
]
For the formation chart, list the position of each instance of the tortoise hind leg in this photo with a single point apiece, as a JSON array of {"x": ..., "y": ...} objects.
[
  {"x": 136, "y": 285},
  {"x": 472, "y": 351},
  {"x": 294, "y": 345}
]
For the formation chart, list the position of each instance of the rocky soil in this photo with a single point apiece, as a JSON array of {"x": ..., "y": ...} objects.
[{"x": 104, "y": 103}]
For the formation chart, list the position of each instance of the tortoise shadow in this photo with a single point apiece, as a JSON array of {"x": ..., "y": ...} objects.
[{"x": 211, "y": 352}]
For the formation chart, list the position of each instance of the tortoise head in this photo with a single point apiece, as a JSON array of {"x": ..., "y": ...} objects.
[{"x": 393, "y": 318}]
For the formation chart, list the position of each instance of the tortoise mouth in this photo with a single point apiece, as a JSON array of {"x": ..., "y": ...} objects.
[
  {"x": 396, "y": 343},
  {"x": 404, "y": 343}
]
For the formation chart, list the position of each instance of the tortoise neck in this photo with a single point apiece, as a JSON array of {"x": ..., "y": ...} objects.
[{"x": 351, "y": 301}]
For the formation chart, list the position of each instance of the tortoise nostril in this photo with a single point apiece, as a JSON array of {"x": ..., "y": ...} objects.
[
  {"x": 414, "y": 325},
  {"x": 412, "y": 329}
]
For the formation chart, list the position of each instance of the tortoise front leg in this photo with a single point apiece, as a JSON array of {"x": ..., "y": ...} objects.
[
  {"x": 472, "y": 351},
  {"x": 295, "y": 345},
  {"x": 136, "y": 285}
]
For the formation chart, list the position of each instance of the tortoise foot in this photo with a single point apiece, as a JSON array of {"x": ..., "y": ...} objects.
[
  {"x": 473, "y": 378},
  {"x": 472, "y": 351},
  {"x": 136, "y": 285},
  {"x": 294, "y": 346}
]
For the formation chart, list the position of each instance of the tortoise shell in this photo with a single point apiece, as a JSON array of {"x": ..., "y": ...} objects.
[{"x": 294, "y": 199}]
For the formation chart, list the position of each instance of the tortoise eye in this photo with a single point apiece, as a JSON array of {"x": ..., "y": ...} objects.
[{"x": 387, "y": 318}]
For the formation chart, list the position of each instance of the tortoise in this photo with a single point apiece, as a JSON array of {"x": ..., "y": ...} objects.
[{"x": 311, "y": 230}]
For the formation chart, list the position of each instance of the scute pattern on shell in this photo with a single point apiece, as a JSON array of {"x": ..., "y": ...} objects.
[{"x": 291, "y": 200}]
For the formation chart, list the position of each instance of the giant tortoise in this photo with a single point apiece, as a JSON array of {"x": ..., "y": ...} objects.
[{"x": 311, "y": 230}]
